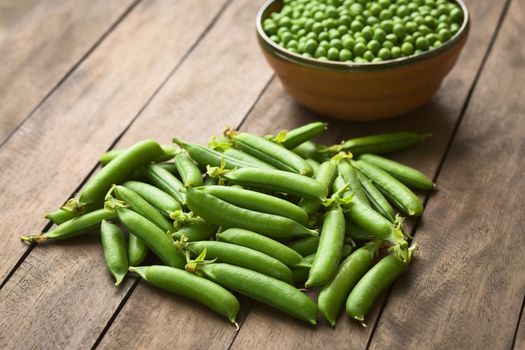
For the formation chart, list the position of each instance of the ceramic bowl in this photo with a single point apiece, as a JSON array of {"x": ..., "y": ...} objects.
[{"x": 357, "y": 91}]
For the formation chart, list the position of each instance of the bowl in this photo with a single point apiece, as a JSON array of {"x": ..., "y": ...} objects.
[{"x": 361, "y": 91}]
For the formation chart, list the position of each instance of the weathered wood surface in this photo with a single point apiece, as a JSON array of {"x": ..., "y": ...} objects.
[
  {"x": 38, "y": 50},
  {"x": 55, "y": 295},
  {"x": 159, "y": 73}
]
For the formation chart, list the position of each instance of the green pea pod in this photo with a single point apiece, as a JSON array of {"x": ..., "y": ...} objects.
[
  {"x": 258, "y": 202},
  {"x": 74, "y": 227},
  {"x": 268, "y": 290},
  {"x": 224, "y": 214},
  {"x": 306, "y": 150},
  {"x": 348, "y": 174},
  {"x": 166, "y": 181},
  {"x": 114, "y": 246},
  {"x": 375, "y": 282},
  {"x": 325, "y": 175},
  {"x": 142, "y": 207},
  {"x": 305, "y": 246},
  {"x": 208, "y": 157},
  {"x": 156, "y": 240},
  {"x": 271, "y": 153},
  {"x": 315, "y": 165},
  {"x": 372, "y": 222},
  {"x": 247, "y": 158},
  {"x": 115, "y": 172},
  {"x": 168, "y": 153},
  {"x": 210, "y": 181},
  {"x": 378, "y": 144},
  {"x": 300, "y": 273},
  {"x": 409, "y": 176},
  {"x": 165, "y": 203},
  {"x": 334, "y": 293},
  {"x": 137, "y": 250},
  {"x": 195, "y": 230},
  {"x": 329, "y": 249},
  {"x": 191, "y": 286},
  {"x": 188, "y": 171},
  {"x": 376, "y": 198},
  {"x": 356, "y": 233},
  {"x": 244, "y": 257},
  {"x": 398, "y": 193},
  {"x": 263, "y": 244},
  {"x": 279, "y": 181},
  {"x": 60, "y": 215},
  {"x": 293, "y": 138}
]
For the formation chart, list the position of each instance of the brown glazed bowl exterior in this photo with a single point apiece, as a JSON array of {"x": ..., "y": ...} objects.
[{"x": 361, "y": 92}]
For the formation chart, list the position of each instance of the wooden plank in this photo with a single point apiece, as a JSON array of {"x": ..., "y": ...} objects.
[
  {"x": 194, "y": 106},
  {"x": 39, "y": 49},
  {"x": 55, "y": 296},
  {"x": 519, "y": 339},
  {"x": 465, "y": 290},
  {"x": 264, "y": 328}
]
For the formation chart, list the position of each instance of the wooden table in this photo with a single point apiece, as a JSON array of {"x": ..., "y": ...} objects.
[{"x": 80, "y": 77}]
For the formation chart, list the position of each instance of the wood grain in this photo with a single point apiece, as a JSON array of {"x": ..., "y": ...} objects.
[
  {"x": 39, "y": 49},
  {"x": 519, "y": 341},
  {"x": 465, "y": 290},
  {"x": 55, "y": 296},
  {"x": 438, "y": 117},
  {"x": 199, "y": 100}
]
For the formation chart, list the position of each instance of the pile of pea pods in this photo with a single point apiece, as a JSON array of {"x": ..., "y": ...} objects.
[{"x": 265, "y": 217}]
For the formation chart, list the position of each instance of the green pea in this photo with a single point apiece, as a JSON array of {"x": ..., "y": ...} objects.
[
  {"x": 372, "y": 21},
  {"x": 388, "y": 45},
  {"x": 379, "y": 35},
  {"x": 359, "y": 49},
  {"x": 384, "y": 54},
  {"x": 275, "y": 39},
  {"x": 396, "y": 52},
  {"x": 454, "y": 27},
  {"x": 392, "y": 38},
  {"x": 348, "y": 44},
  {"x": 114, "y": 246},
  {"x": 345, "y": 55},
  {"x": 399, "y": 30},
  {"x": 437, "y": 44},
  {"x": 431, "y": 38},
  {"x": 411, "y": 27},
  {"x": 387, "y": 26},
  {"x": 421, "y": 44},
  {"x": 356, "y": 26},
  {"x": 332, "y": 54},
  {"x": 444, "y": 35},
  {"x": 374, "y": 46},
  {"x": 336, "y": 43},
  {"x": 333, "y": 294},
  {"x": 320, "y": 52},
  {"x": 356, "y": 9},
  {"x": 456, "y": 15},
  {"x": 367, "y": 33},
  {"x": 191, "y": 286},
  {"x": 369, "y": 56}
]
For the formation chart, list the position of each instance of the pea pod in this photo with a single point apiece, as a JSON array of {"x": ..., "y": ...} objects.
[
  {"x": 156, "y": 240},
  {"x": 142, "y": 207},
  {"x": 293, "y": 138},
  {"x": 306, "y": 150},
  {"x": 378, "y": 144},
  {"x": 375, "y": 282},
  {"x": 258, "y": 202},
  {"x": 401, "y": 195},
  {"x": 409, "y": 176},
  {"x": 168, "y": 153},
  {"x": 329, "y": 249},
  {"x": 300, "y": 273},
  {"x": 372, "y": 222},
  {"x": 271, "y": 153},
  {"x": 205, "y": 156},
  {"x": 114, "y": 246},
  {"x": 376, "y": 198},
  {"x": 74, "y": 227},
  {"x": 348, "y": 174},
  {"x": 165, "y": 203},
  {"x": 247, "y": 158},
  {"x": 244, "y": 257},
  {"x": 268, "y": 290},
  {"x": 137, "y": 250},
  {"x": 191, "y": 286},
  {"x": 195, "y": 230},
  {"x": 60, "y": 215},
  {"x": 224, "y": 214},
  {"x": 325, "y": 176},
  {"x": 188, "y": 171},
  {"x": 115, "y": 172},
  {"x": 334, "y": 293},
  {"x": 315, "y": 165},
  {"x": 166, "y": 181},
  {"x": 356, "y": 233},
  {"x": 279, "y": 181},
  {"x": 305, "y": 246},
  {"x": 263, "y": 244}
]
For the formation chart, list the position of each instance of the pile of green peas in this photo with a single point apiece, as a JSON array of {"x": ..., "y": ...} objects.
[
  {"x": 363, "y": 31},
  {"x": 258, "y": 216}
]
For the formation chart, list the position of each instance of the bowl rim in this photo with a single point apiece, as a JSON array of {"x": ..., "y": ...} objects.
[{"x": 351, "y": 67}]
